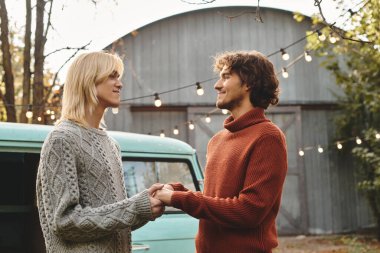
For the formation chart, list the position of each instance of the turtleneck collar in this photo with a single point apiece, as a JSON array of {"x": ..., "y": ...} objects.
[{"x": 252, "y": 117}]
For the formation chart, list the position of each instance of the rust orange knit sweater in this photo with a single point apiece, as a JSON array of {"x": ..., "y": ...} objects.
[{"x": 245, "y": 171}]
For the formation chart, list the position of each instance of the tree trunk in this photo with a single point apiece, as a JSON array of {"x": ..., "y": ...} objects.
[
  {"x": 26, "y": 65},
  {"x": 9, "y": 96},
  {"x": 39, "y": 45}
]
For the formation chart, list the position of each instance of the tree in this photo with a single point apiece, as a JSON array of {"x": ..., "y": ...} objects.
[
  {"x": 355, "y": 62},
  {"x": 35, "y": 77},
  {"x": 8, "y": 98}
]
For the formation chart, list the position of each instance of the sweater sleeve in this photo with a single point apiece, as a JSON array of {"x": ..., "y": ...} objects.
[
  {"x": 60, "y": 198},
  {"x": 178, "y": 187},
  {"x": 263, "y": 183}
]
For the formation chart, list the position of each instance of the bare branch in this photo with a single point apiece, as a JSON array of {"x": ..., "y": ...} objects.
[
  {"x": 230, "y": 17},
  {"x": 56, "y": 74},
  {"x": 48, "y": 24},
  {"x": 257, "y": 12},
  {"x": 334, "y": 28},
  {"x": 66, "y": 48}
]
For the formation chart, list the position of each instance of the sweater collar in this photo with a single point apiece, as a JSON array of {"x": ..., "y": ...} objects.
[
  {"x": 252, "y": 117},
  {"x": 98, "y": 131}
]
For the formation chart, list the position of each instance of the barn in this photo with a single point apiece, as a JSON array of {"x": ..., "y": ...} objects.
[{"x": 171, "y": 59}]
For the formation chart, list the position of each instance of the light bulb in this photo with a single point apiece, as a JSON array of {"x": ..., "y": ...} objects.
[
  {"x": 47, "y": 111},
  {"x": 208, "y": 119},
  {"x": 200, "y": 90},
  {"x": 56, "y": 88},
  {"x": 175, "y": 130},
  {"x": 115, "y": 110},
  {"x": 332, "y": 38},
  {"x": 191, "y": 125},
  {"x": 377, "y": 135},
  {"x": 339, "y": 145},
  {"x": 52, "y": 116},
  {"x": 157, "y": 100},
  {"x": 308, "y": 57},
  {"x": 29, "y": 113},
  {"x": 285, "y": 73},
  {"x": 284, "y": 55},
  {"x": 39, "y": 119},
  {"x": 301, "y": 153},
  {"x": 358, "y": 141},
  {"x": 224, "y": 111},
  {"x": 321, "y": 36},
  {"x": 320, "y": 149}
]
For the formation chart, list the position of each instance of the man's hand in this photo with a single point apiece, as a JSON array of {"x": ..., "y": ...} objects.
[
  {"x": 165, "y": 195},
  {"x": 156, "y": 205},
  {"x": 169, "y": 187}
]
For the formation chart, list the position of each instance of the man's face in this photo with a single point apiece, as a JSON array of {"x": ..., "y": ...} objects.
[
  {"x": 231, "y": 91},
  {"x": 108, "y": 92}
]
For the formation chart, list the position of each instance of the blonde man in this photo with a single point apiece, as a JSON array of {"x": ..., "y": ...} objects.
[{"x": 81, "y": 198}]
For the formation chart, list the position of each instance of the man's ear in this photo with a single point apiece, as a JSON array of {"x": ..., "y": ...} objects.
[{"x": 246, "y": 87}]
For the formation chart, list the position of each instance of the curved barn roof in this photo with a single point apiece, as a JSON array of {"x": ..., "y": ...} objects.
[{"x": 177, "y": 51}]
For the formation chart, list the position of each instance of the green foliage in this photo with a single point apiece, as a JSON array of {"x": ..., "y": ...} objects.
[{"x": 356, "y": 67}]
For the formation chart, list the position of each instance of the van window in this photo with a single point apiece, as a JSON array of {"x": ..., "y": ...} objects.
[{"x": 140, "y": 175}]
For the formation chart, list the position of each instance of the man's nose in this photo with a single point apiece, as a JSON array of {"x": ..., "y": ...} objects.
[
  {"x": 119, "y": 84},
  {"x": 217, "y": 85}
]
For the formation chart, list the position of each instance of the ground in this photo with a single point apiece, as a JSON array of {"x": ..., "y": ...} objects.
[{"x": 328, "y": 244}]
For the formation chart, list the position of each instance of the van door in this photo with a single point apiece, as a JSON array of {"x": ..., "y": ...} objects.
[{"x": 174, "y": 229}]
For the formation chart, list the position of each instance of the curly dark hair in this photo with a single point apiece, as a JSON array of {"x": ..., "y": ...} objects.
[{"x": 254, "y": 70}]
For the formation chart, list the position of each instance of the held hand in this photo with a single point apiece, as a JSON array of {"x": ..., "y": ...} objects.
[
  {"x": 169, "y": 187},
  {"x": 152, "y": 190},
  {"x": 156, "y": 205},
  {"x": 165, "y": 195}
]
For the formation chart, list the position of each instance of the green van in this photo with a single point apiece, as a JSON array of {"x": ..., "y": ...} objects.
[{"x": 146, "y": 160}]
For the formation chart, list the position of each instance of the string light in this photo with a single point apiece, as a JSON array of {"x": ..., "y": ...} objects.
[
  {"x": 162, "y": 134},
  {"x": 39, "y": 119},
  {"x": 339, "y": 145},
  {"x": 301, "y": 152},
  {"x": 285, "y": 73},
  {"x": 332, "y": 38},
  {"x": 52, "y": 117},
  {"x": 358, "y": 141},
  {"x": 320, "y": 149},
  {"x": 200, "y": 90},
  {"x": 191, "y": 125},
  {"x": 224, "y": 111},
  {"x": 377, "y": 135},
  {"x": 47, "y": 111},
  {"x": 308, "y": 57},
  {"x": 56, "y": 88},
  {"x": 157, "y": 100},
  {"x": 208, "y": 119},
  {"x": 321, "y": 36},
  {"x": 115, "y": 110},
  {"x": 284, "y": 55},
  {"x": 175, "y": 130},
  {"x": 29, "y": 113}
]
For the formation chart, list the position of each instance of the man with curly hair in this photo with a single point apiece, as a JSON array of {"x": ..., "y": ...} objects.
[{"x": 246, "y": 163}]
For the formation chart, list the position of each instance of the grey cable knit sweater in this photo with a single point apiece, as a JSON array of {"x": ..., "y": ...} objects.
[{"x": 81, "y": 197}]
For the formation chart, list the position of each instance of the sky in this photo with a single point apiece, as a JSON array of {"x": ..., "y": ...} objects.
[{"x": 78, "y": 22}]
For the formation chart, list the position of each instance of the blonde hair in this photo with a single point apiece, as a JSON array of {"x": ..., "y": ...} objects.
[{"x": 79, "y": 91}]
